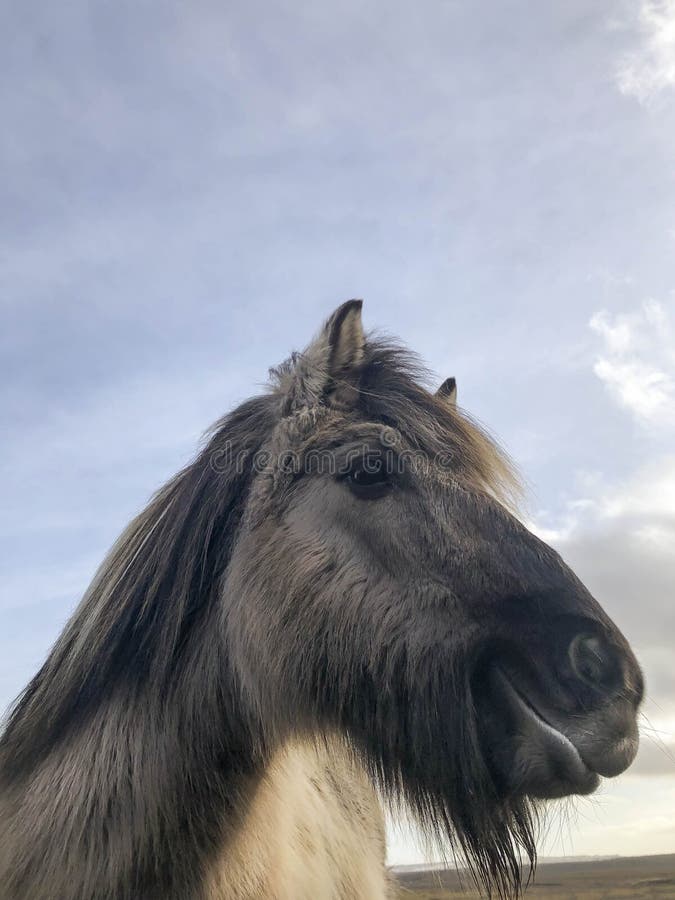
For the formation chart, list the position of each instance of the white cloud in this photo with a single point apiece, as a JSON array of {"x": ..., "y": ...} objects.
[
  {"x": 645, "y": 501},
  {"x": 650, "y": 495},
  {"x": 641, "y": 509},
  {"x": 650, "y": 69},
  {"x": 637, "y": 361}
]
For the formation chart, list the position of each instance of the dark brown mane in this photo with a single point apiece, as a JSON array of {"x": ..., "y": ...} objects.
[{"x": 148, "y": 596}]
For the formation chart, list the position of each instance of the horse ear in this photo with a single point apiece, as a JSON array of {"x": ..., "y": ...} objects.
[
  {"x": 329, "y": 369},
  {"x": 448, "y": 391},
  {"x": 346, "y": 340}
]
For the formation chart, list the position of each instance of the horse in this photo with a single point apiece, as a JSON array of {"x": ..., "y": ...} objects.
[{"x": 332, "y": 608}]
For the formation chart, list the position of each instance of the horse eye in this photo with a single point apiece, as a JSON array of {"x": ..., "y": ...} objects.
[{"x": 368, "y": 479}]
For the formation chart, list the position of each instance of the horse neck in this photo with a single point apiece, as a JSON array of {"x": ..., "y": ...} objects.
[{"x": 141, "y": 793}]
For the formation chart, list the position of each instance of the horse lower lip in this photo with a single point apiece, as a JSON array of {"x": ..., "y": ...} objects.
[
  {"x": 543, "y": 746},
  {"x": 536, "y": 717},
  {"x": 603, "y": 758}
]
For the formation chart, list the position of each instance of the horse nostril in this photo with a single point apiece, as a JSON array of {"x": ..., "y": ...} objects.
[{"x": 592, "y": 661}]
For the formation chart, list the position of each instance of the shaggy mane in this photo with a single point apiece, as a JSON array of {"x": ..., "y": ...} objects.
[{"x": 159, "y": 579}]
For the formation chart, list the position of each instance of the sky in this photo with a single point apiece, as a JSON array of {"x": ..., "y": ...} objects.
[{"x": 188, "y": 189}]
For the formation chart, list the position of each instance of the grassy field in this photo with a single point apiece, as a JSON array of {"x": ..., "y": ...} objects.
[{"x": 629, "y": 879}]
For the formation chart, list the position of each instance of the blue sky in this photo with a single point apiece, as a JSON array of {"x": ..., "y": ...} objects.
[{"x": 188, "y": 189}]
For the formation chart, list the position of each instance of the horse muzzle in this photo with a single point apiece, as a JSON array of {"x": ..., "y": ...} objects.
[{"x": 554, "y": 730}]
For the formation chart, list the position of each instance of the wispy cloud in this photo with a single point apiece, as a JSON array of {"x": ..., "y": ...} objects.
[
  {"x": 641, "y": 506},
  {"x": 637, "y": 362},
  {"x": 650, "y": 69}
]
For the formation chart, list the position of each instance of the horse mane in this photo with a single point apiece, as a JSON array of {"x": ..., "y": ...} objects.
[{"x": 158, "y": 580}]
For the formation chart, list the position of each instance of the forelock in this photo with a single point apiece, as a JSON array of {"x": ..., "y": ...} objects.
[{"x": 394, "y": 391}]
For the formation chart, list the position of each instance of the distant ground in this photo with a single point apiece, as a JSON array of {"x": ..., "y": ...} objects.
[{"x": 632, "y": 878}]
